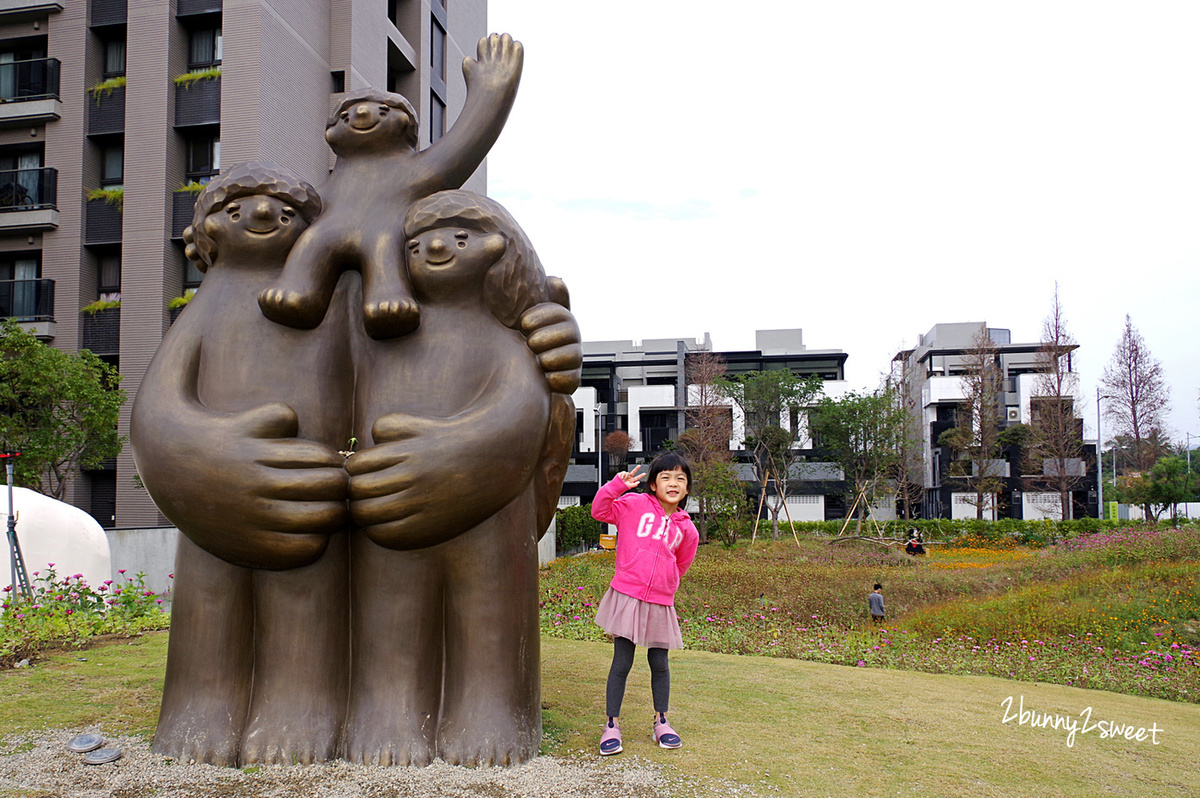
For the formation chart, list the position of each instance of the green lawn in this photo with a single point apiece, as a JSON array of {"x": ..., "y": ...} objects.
[{"x": 781, "y": 726}]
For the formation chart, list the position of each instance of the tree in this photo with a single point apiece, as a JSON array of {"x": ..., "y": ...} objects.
[
  {"x": 769, "y": 400},
  {"x": 976, "y": 437},
  {"x": 59, "y": 410},
  {"x": 717, "y": 490},
  {"x": 617, "y": 445},
  {"x": 1054, "y": 444},
  {"x": 1138, "y": 395},
  {"x": 910, "y": 464},
  {"x": 863, "y": 433},
  {"x": 1169, "y": 483}
]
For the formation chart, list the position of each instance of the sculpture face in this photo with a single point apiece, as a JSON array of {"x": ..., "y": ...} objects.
[
  {"x": 367, "y": 125},
  {"x": 258, "y": 225},
  {"x": 450, "y": 258}
]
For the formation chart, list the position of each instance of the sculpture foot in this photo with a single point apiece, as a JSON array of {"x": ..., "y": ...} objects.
[
  {"x": 389, "y": 744},
  {"x": 478, "y": 743},
  {"x": 391, "y": 319},
  {"x": 298, "y": 309},
  {"x": 284, "y": 739},
  {"x": 193, "y": 740}
]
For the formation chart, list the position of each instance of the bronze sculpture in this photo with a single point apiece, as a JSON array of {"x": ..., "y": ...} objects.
[{"x": 428, "y": 531}]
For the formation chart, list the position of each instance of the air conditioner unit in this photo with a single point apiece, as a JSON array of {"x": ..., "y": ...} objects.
[{"x": 1014, "y": 414}]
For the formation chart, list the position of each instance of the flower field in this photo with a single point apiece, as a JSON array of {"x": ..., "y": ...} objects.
[
  {"x": 64, "y": 611},
  {"x": 1116, "y": 611}
]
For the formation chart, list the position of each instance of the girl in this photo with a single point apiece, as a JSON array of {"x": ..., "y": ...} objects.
[{"x": 656, "y": 543}]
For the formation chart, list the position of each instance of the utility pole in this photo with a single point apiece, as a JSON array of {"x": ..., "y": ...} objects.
[{"x": 19, "y": 575}]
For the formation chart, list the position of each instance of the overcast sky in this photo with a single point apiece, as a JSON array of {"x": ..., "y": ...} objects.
[{"x": 865, "y": 170}]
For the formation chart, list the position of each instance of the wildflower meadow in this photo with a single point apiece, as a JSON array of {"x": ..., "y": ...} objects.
[{"x": 1115, "y": 610}]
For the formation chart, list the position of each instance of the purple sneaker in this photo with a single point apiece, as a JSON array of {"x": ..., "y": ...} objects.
[
  {"x": 610, "y": 740},
  {"x": 664, "y": 735}
]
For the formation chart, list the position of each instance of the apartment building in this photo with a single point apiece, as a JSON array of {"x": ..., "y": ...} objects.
[
  {"x": 931, "y": 374},
  {"x": 642, "y": 389},
  {"x": 114, "y": 112}
]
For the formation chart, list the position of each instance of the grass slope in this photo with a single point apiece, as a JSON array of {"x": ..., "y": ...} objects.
[{"x": 781, "y": 726}]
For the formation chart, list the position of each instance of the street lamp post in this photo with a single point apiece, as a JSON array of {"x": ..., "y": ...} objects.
[
  {"x": 1100, "y": 458},
  {"x": 1099, "y": 462}
]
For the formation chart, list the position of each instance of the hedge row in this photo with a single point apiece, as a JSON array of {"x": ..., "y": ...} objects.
[{"x": 1034, "y": 533}]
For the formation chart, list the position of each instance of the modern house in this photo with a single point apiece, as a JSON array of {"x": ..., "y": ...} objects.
[
  {"x": 642, "y": 390},
  {"x": 114, "y": 112},
  {"x": 932, "y": 377}
]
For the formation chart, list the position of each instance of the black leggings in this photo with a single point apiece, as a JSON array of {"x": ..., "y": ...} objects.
[{"x": 660, "y": 676}]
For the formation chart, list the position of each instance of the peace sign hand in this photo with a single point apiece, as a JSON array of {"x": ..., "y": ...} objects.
[{"x": 632, "y": 478}]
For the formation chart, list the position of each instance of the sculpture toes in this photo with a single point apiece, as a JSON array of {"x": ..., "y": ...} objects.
[
  {"x": 264, "y": 750},
  {"x": 390, "y": 755},
  {"x": 391, "y": 319},
  {"x": 302, "y": 310}
]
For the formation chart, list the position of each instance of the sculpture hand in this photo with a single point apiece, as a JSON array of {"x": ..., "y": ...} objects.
[
  {"x": 243, "y": 487},
  {"x": 553, "y": 336},
  {"x": 498, "y": 63},
  {"x": 429, "y": 479}
]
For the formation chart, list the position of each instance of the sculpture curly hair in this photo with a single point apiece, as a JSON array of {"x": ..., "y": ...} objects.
[
  {"x": 516, "y": 282},
  {"x": 245, "y": 180}
]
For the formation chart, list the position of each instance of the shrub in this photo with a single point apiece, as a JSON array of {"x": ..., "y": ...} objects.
[{"x": 575, "y": 527}]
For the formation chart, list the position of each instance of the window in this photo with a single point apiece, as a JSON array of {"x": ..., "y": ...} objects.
[
  {"x": 114, "y": 58},
  {"x": 437, "y": 49},
  {"x": 112, "y": 165},
  {"x": 20, "y": 176},
  {"x": 192, "y": 276},
  {"x": 204, "y": 48},
  {"x": 14, "y": 70},
  {"x": 437, "y": 117},
  {"x": 19, "y": 287},
  {"x": 108, "y": 281},
  {"x": 203, "y": 157}
]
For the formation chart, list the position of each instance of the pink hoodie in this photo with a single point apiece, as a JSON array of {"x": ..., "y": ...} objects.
[{"x": 653, "y": 551}]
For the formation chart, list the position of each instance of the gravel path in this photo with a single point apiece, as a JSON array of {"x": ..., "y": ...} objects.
[{"x": 41, "y": 764}]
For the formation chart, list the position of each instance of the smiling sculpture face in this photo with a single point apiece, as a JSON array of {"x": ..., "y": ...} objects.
[
  {"x": 452, "y": 258},
  {"x": 367, "y": 125},
  {"x": 261, "y": 225}
]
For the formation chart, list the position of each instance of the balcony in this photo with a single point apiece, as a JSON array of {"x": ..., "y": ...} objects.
[
  {"x": 106, "y": 112},
  {"x": 187, "y": 8},
  {"x": 31, "y": 303},
  {"x": 23, "y": 10},
  {"x": 29, "y": 92},
  {"x": 101, "y": 223},
  {"x": 183, "y": 206},
  {"x": 198, "y": 103},
  {"x": 28, "y": 199},
  {"x": 102, "y": 331},
  {"x": 108, "y": 12}
]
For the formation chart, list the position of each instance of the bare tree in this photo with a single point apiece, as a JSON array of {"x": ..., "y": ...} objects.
[
  {"x": 1054, "y": 446},
  {"x": 706, "y": 442},
  {"x": 909, "y": 473},
  {"x": 976, "y": 437},
  {"x": 1138, "y": 394}
]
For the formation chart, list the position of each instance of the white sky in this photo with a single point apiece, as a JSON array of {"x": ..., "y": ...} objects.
[{"x": 864, "y": 170}]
